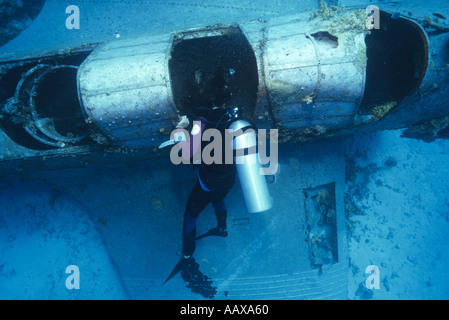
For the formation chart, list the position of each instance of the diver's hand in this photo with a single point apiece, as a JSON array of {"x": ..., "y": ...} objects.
[{"x": 183, "y": 122}]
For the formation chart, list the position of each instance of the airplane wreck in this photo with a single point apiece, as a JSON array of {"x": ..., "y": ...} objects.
[{"x": 311, "y": 75}]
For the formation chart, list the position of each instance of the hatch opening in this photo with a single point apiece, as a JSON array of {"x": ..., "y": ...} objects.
[
  {"x": 195, "y": 59},
  {"x": 397, "y": 62}
]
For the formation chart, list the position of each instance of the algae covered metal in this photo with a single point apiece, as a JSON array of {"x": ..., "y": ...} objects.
[
  {"x": 124, "y": 89},
  {"x": 315, "y": 70}
]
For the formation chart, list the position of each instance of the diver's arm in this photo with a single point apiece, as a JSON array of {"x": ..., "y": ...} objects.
[{"x": 192, "y": 144}]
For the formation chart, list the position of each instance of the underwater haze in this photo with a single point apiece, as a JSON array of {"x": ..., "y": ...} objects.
[{"x": 99, "y": 231}]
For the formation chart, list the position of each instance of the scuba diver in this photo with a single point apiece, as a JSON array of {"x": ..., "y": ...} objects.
[
  {"x": 214, "y": 182},
  {"x": 215, "y": 179}
]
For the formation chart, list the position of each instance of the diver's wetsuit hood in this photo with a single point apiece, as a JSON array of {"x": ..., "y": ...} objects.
[
  {"x": 216, "y": 114},
  {"x": 213, "y": 115}
]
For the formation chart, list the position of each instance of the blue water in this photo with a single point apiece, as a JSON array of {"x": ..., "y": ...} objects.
[{"x": 121, "y": 227}]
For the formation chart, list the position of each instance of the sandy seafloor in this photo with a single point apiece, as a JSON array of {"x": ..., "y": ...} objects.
[{"x": 401, "y": 188}]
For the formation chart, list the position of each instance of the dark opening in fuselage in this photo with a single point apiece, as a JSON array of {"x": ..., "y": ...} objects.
[
  {"x": 196, "y": 57},
  {"x": 397, "y": 62}
]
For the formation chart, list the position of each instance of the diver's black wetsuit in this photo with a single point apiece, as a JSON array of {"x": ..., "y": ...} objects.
[{"x": 214, "y": 183}]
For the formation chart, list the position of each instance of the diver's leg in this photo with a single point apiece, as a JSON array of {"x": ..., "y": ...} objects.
[
  {"x": 221, "y": 215},
  {"x": 219, "y": 205},
  {"x": 197, "y": 201},
  {"x": 188, "y": 236},
  {"x": 217, "y": 199}
]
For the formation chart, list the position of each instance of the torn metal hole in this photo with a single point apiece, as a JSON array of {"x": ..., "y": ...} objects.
[{"x": 326, "y": 39}]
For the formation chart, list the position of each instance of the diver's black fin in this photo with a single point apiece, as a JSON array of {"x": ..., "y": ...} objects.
[
  {"x": 213, "y": 232},
  {"x": 197, "y": 281},
  {"x": 176, "y": 269}
]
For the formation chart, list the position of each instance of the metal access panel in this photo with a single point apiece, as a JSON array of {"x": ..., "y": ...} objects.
[{"x": 321, "y": 218}]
